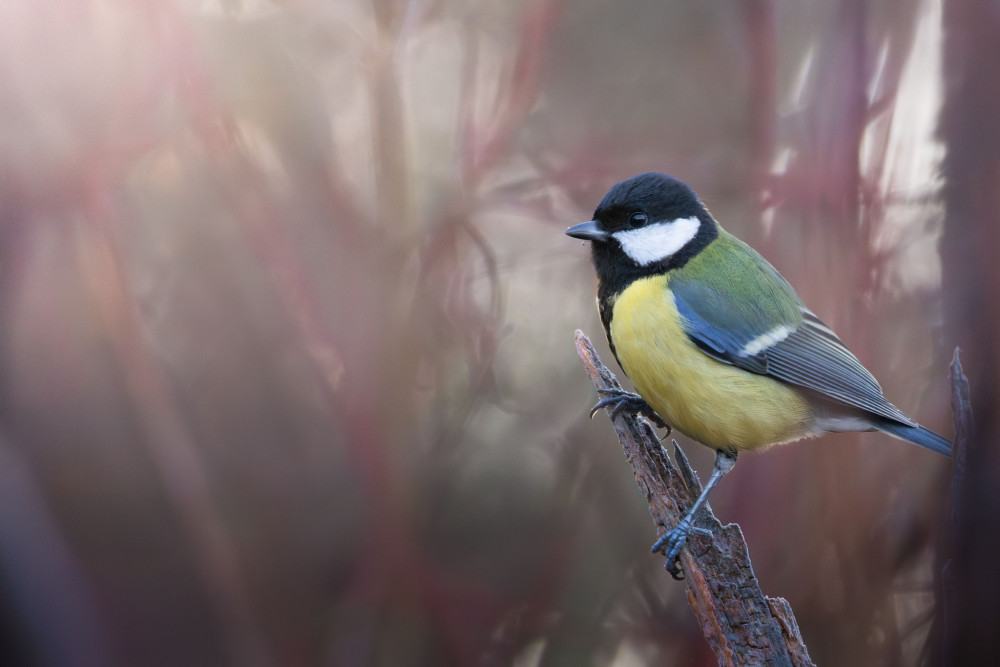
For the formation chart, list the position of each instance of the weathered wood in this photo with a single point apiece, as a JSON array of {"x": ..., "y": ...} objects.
[{"x": 740, "y": 623}]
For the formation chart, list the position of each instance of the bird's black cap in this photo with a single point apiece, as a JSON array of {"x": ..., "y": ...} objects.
[
  {"x": 656, "y": 199},
  {"x": 659, "y": 196}
]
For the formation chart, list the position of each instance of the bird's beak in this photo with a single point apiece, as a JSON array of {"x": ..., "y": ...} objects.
[{"x": 588, "y": 231}]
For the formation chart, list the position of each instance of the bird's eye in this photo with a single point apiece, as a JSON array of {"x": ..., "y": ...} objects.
[{"x": 637, "y": 220}]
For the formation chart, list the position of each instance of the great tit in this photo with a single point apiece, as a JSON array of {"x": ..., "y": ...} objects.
[{"x": 715, "y": 340}]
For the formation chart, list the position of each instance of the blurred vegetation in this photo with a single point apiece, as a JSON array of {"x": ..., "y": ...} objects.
[{"x": 286, "y": 317}]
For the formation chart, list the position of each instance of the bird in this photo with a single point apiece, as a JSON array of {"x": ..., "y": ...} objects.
[{"x": 717, "y": 344}]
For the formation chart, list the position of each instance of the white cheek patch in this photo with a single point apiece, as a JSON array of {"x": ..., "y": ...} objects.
[{"x": 659, "y": 241}]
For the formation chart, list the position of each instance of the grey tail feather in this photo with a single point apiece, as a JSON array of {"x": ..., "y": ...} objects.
[{"x": 918, "y": 435}]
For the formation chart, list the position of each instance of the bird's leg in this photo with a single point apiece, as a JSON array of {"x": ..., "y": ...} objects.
[
  {"x": 675, "y": 538},
  {"x": 626, "y": 400}
]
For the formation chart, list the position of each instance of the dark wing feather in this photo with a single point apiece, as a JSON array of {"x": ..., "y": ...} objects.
[
  {"x": 814, "y": 358},
  {"x": 810, "y": 356}
]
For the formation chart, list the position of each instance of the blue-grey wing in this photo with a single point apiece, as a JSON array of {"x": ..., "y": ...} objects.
[{"x": 803, "y": 353}]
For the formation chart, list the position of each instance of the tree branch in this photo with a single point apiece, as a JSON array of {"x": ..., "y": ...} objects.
[
  {"x": 944, "y": 639},
  {"x": 741, "y": 624}
]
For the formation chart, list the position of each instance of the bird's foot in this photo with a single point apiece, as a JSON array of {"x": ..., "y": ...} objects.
[
  {"x": 627, "y": 401},
  {"x": 674, "y": 540}
]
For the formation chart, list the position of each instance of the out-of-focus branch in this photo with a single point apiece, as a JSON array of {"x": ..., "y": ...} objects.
[
  {"x": 741, "y": 624},
  {"x": 947, "y": 586},
  {"x": 170, "y": 441},
  {"x": 961, "y": 405},
  {"x": 54, "y": 602}
]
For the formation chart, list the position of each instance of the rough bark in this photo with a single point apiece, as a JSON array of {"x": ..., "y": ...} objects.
[{"x": 741, "y": 624}]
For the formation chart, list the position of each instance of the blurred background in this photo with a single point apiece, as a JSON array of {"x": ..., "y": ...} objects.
[{"x": 287, "y": 372}]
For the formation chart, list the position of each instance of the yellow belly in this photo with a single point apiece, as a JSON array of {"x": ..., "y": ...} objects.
[{"x": 714, "y": 403}]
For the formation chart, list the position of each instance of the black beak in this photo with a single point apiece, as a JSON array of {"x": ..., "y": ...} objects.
[{"x": 588, "y": 231}]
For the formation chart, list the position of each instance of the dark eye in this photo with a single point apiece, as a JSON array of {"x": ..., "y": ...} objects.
[{"x": 637, "y": 220}]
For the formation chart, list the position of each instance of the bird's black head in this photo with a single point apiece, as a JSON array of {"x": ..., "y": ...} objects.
[{"x": 645, "y": 225}]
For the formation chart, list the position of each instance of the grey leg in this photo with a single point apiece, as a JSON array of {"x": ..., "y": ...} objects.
[{"x": 675, "y": 538}]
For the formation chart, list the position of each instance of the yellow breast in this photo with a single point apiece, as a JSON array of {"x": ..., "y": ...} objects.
[{"x": 714, "y": 403}]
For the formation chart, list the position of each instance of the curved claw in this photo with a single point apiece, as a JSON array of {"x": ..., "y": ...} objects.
[
  {"x": 674, "y": 540},
  {"x": 627, "y": 401},
  {"x": 622, "y": 405},
  {"x": 604, "y": 402}
]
